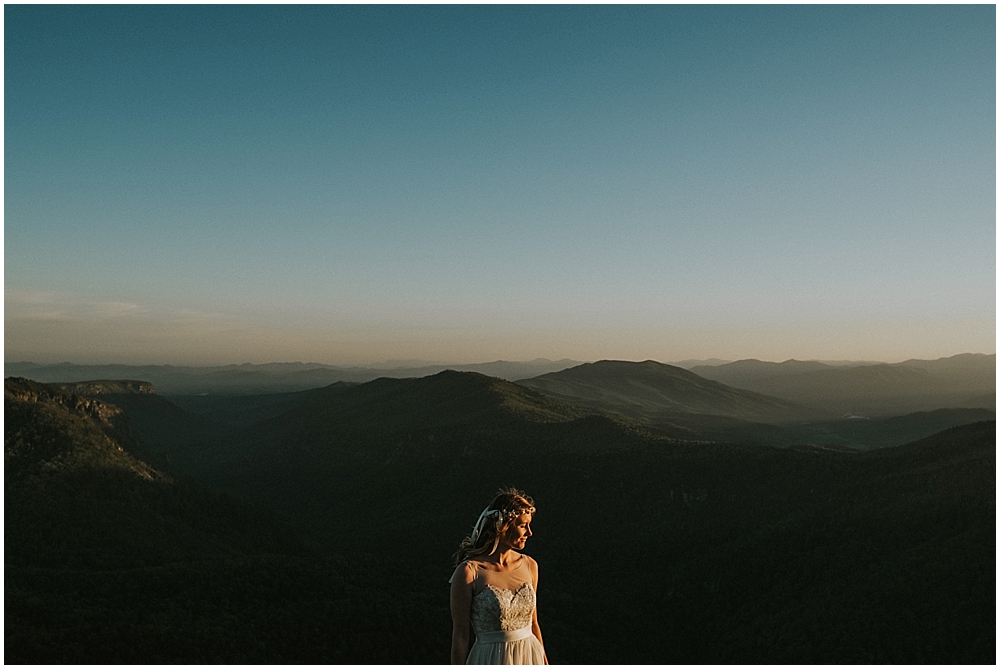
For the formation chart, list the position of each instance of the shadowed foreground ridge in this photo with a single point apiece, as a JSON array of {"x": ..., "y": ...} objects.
[
  {"x": 109, "y": 561},
  {"x": 693, "y": 552}
]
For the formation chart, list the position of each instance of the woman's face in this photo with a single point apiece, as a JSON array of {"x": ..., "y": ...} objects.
[{"x": 519, "y": 531}]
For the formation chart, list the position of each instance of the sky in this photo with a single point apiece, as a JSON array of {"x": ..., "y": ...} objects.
[{"x": 354, "y": 184}]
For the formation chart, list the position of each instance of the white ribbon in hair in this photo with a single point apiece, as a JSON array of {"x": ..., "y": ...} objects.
[{"x": 478, "y": 527}]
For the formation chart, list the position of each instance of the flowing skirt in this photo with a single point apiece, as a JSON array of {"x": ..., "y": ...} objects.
[{"x": 517, "y": 647}]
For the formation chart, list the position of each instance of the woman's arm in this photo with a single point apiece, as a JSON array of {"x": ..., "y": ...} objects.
[
  {"x": 461, "y": 612},
  {"x": 535, "y": 629}
]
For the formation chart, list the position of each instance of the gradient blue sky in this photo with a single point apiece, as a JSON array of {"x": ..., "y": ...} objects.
[{"x": 201, "y": 185}]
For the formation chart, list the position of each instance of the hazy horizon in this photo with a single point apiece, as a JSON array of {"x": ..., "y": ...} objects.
[
  {"x": 204, "y": 185},
  {"x": 401, "y": 364}
]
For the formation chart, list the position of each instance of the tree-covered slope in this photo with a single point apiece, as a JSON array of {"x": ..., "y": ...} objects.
[
  {"x": 694, "y": 552},
  {"x": 173, "y": 436},
  {"x": 110, "y": 561},
  {"x": 77, "y": 491},
  {"x": 421, "y": 417},
  {"x": 648, "y": 390},
  {"x": 701, "y": 552},
  {"x": 324, "y": 450}
]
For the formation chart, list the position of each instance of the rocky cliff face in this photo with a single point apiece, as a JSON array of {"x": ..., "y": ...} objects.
[{"x": 111, "y": 419}]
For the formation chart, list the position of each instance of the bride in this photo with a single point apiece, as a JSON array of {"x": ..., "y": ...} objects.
[{"x": 493, "y": 588}]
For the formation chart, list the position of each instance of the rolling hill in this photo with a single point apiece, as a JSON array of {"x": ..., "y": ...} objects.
[
  {"x": 962, "y": 381},
  {"x": 426, "y": 422},
  {"x": 382, "y": 415},
  {"x": 652, "y": 392}
]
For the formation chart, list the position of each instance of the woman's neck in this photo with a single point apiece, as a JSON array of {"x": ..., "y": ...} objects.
[{"x": 504, "y": 556}]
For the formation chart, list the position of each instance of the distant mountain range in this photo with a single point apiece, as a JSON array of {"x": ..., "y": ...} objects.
[
  {"x": 688, "y": 364},
  {"x": 684, "y": 405},
  {"x": 676, "y": 403},
  {"x": 837, "y": 388},
  {"x": 249, "y": 379},
  {"x": 962, "y": 381}
]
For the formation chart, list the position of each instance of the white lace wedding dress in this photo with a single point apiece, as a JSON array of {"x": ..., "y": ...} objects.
[{"x": 503, "y": 604}]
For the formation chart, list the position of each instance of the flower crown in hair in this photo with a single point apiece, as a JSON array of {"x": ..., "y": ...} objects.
[{"x": 500, "y": 515}]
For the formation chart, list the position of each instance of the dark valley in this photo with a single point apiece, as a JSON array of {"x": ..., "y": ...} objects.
[{"x": 702, "y": 519}]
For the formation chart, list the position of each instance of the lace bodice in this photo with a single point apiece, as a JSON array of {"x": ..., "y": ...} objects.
[
  {"x": 502, "y": 601},
  {"x": 502, "y": 612},
  {"x": 495, "y": 609}
]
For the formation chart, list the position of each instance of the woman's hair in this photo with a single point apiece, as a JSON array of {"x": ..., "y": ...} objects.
[{"x": 495, "y": 520}]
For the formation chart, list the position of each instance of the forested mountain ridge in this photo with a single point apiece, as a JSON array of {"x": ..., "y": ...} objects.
[
  {"x": 327, "y": 445},
  {"x": 696, "y": 552},
  {"x": 45, "y": 423},
  {"x": 975, "y": 363},
  {"x": 448, "y": 397},
  {"x": 109, "y": 561},
  {"x": 251, "y": 379},
  {"x": 962, "y": 381},
  {"x": 391, "y": 413},
  {"x": 647, "y": 390},
  {"x": 171, "y": 435},
  {"x": 78, "y": 490}
]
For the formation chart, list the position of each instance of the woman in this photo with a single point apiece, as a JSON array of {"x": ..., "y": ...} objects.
[{"x": 493, "y": 588}]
